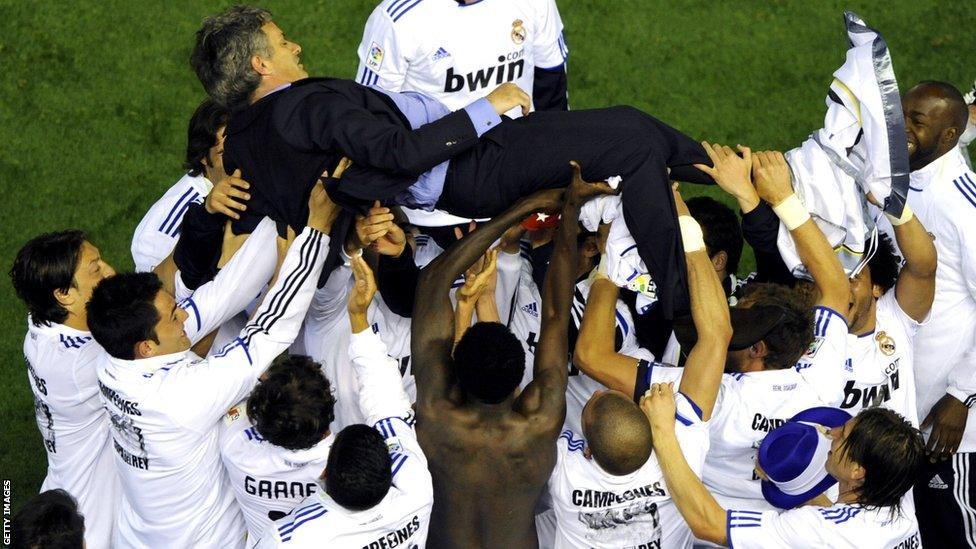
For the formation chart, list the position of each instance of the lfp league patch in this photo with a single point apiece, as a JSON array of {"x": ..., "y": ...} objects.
[{"x": 375, "y": 58}]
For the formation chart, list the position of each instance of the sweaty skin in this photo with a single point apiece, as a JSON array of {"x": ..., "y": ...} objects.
[{"x": 490, "y": 462}]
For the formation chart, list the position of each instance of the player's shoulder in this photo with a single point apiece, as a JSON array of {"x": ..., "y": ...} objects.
[
  {"x": 570, "y": 442},
  {"x": 308, "y": 520},
  {"x": 400, "y": 13}
]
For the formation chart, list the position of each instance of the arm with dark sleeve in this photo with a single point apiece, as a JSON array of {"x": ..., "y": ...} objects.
[
  {"x": 326, "y": 121},
  {"x": 760, "y": 228},
  {"x": 198, "y": 249},
  {"x": 432, "y": 338},
  {"x": 396, "y": 280},
  {"x": 549, "y": 89}
]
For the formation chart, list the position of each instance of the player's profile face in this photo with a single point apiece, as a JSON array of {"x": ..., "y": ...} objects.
[
  {"x": 169, "y": 328},
  {"x": 284, "y": 61},
  {"x": 90, "y": 271}
]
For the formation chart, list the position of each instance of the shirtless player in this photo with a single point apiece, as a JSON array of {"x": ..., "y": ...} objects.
[{"x": 490, "y": 449}]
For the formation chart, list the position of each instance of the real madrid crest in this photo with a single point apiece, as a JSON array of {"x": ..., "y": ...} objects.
[
  {"x": 885, "y": 343},
  {"x": 518, "y": 31}
]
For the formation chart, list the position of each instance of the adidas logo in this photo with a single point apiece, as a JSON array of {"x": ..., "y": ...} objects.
[
  {"x": 441, "y": 53},
  {"x": 937, "y": 483},
  {"x": 532, "y": 309}
]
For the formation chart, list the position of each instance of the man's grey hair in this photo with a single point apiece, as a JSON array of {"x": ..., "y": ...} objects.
[{"x": 222, "y": 54}]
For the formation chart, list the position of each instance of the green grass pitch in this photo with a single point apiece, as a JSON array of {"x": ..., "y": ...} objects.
[{"x": 94, "y": 99}]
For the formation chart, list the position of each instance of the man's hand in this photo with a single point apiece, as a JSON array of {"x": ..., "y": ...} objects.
[
  {"x": 659, "y": 407},
  {"x": 364, "y": 288},
  {"x": 731, "y": 172},
  {"x": 948, "y": 421},
  {"x": 679, "y": 202},
  {"x": 322, "y": 211},
  {"x": 228, "y": 196},
  {"x": 772, "y": 177},
  {"x": 379, "y": 232},
  {"x": 508, "y": 96},
  {"x": 579, "y": 191},
  {"x": 478, "y": 278}
]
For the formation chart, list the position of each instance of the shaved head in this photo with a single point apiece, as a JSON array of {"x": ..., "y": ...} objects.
[
  {"x": 935, "y": 117},
  {"x": 617, "y": 432}
]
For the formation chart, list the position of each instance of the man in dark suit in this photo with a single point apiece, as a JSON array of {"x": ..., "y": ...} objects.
[{"x": 408, "y": 149}]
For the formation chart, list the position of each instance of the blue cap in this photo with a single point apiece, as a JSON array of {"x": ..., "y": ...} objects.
[{"x": 794, "y": 457}]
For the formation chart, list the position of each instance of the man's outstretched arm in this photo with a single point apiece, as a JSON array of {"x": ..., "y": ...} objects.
[
  {"x": 546, "y": 394},
  {"x": 433, "y": 315}
]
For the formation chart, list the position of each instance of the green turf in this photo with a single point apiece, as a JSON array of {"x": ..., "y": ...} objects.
[{"x": 95, "y": 98}]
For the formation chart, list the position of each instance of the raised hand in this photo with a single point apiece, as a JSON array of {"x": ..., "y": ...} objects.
[
  {"x": 228, "y": 196},
  {"x": 322, "y": 211},
  {"x": 659, "y": 406},
  {"x": 771, "y": 174},
  {"x": 679, "y": 202},
  {"x": 731, "y": 172},
  {"x": 379, "y": 232},
  {"x": 508, "y": 96},
  {"x": 579, "y": 191},
  {"x": 364, "y": 287}
]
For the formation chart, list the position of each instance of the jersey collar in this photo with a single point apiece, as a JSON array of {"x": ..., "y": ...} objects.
[
  {"x": 942, "y": 168},
  {"x": 146, "y": 367}
]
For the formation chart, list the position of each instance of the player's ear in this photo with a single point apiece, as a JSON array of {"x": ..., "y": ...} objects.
[
  {"x": 720, "y": 260},
  {"x": 145, "y": 349},
  {"x": 949, "y": 135},
  {"x": 876, "y": 291},
  {"x": 65, "y": 298},
  {"x": 758, "y": 349}
]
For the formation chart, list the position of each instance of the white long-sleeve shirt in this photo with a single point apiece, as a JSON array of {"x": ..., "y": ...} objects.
[
  {"x": 157, "y": 232},
  {"x": 402, "y": 518},
  {"x": 61, "y": 367},
  {"x": 943, "y": 196},
  {"x": 165, "y": 410}
]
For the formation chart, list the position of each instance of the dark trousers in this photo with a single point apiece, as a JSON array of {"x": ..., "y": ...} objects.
[
  {"x": 532, "y": 153},
  {"x": 945, "y": 502}
]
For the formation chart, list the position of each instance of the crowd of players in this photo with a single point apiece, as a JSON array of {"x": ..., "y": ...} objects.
[{"x": 273, "y": 383}]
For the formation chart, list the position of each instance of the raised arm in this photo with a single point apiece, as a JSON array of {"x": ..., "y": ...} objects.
[
  {"x": 594, "y": 353},
  {"x": 710, "y": 313},
  {"x": 705, "y": 517},
  {"x": 433, "y": 316},
  {"x": 772, "y": 176},
  {"x": 546, "y": 394},
  {"x": 915, "y": 289}
]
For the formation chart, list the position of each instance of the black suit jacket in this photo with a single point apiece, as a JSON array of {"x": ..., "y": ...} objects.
[{"x": 284, "y": 141}]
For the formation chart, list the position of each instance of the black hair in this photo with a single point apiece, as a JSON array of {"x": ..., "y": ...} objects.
[
  {"x": 357, "y": 474},
  {"x": 959, "y": 112},
  {"x": 50, "y": 520},
  {"x": 720, "y": 228},
  {"x": 122, "y": 312},
  {"x": 201, "y": 135},
  {"x": 884, "y": 264},
  {"x": 791, "y": 337},
  {"x": 293, "y": 404},
  {"x": 47, "y": 263},
  {"x": 890, "y": 450},
  {"x": 489, "y": 362}
]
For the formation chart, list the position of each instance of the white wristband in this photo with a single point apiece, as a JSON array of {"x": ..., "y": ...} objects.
[
  {"x": 691, "y": 234},
  {"x": 791, "y": 212},
  {"x": 906, "y": 215}
]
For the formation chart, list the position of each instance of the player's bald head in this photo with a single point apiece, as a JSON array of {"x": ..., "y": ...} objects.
[
  {"x": 617, "y": 432},
  {"x": 935, "y": 117}
]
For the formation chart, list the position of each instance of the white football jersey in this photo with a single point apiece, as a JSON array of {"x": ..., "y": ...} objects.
[
  {"x": 596, "y": 509},
  {"x": 157, "y": 233},
  {"x": 165, "y": 411},
  {"x": 883, "y": 363},
  {"x": 750, "y": 405},
  {"x": 327, "y": 339},
  {"x": 459, "y": 53},
  {"x": 268, "y": 480},
  {"x": 943, "y": 196},
  {"x": 402, "y": 518},
  {"x": 839, "y": 526},
  {"x": 524, "y": 320},
  {"x": 62, "y": 370},
  {"x": 581, "y": 386}
]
